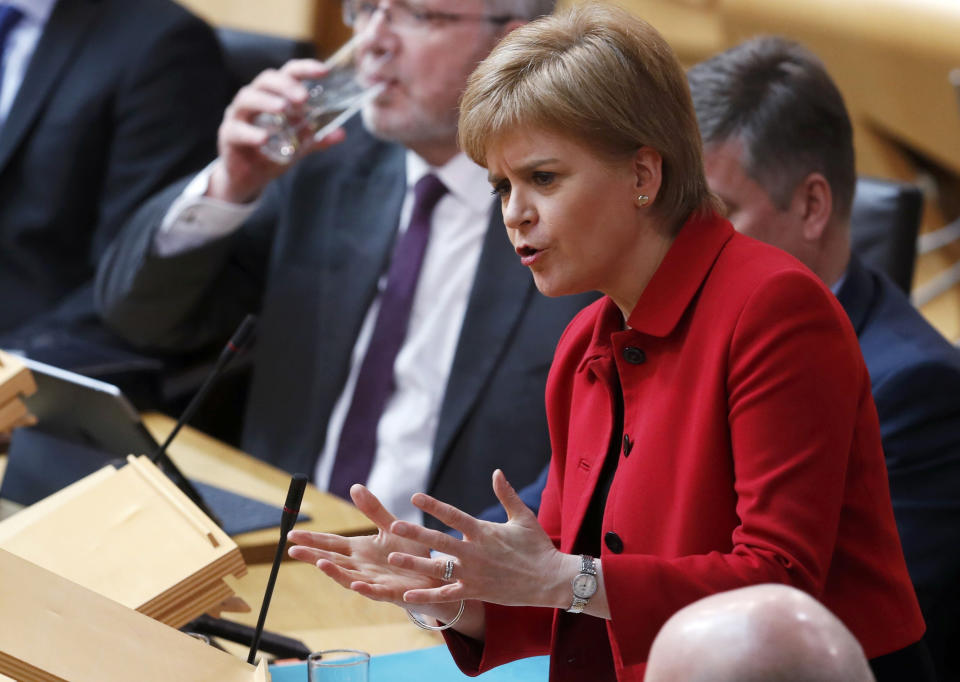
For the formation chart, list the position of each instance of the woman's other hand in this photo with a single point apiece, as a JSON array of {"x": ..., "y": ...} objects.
[
  {"x": 360, "y": 563},
  {"x": 513, "y": 563}
]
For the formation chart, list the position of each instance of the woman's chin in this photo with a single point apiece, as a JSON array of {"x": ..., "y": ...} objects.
[{"x": 554, "y": 288}]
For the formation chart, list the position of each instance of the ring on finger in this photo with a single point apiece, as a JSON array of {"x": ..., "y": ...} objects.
[{"x": 448, "y": 570}]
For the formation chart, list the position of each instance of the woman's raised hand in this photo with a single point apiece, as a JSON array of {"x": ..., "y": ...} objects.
[
  {"x": 360, "y": 563},
  {"x": 513, "y": 563}
]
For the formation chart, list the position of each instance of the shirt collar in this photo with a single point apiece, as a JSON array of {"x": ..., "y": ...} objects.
[
  {"x": 463, "y": 178},
  {"x": 36, "y": 10},
  {"x": 836, "y": 286}
]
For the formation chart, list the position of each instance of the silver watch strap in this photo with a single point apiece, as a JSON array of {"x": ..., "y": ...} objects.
[{"x": 588, "y": 567}]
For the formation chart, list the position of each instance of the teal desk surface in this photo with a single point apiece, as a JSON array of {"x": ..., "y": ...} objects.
[{"x": 434, "y": 664}]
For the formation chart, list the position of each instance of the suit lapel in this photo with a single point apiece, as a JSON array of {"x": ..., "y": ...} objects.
[
  {"x": 65, "y": 31},
  {"x": 856, "y": 294},
  {"x": 501, "y": 291},
  {"x": 370, "y": 204}
]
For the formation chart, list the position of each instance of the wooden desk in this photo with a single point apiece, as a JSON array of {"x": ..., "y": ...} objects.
[{"x": 206, "y": 459}]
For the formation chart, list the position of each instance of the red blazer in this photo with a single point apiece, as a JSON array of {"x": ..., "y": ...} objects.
[{"x": 756, "y": 454}]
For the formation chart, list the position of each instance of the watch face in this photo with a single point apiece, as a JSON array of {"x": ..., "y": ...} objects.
[{"x": 584, "y": 585}]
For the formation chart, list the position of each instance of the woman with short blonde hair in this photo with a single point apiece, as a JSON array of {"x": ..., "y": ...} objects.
[
  {"x": 710, "y": 417},
  {"x": 601, "y": 76}
]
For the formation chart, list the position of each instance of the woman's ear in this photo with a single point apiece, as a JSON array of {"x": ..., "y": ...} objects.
[{"x": 648, "y": 172}]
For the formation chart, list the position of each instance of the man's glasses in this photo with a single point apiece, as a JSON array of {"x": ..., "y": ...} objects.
[{"x": 407, "y": 16}]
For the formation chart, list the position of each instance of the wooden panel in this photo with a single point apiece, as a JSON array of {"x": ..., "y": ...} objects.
[
  {"x": 54, "y": 629},
  {"x": 692, "y": 27},
  {"x": 287, "y": 18}
]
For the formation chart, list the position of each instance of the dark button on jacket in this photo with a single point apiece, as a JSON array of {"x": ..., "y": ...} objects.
[{"x": 613, "y": 542}]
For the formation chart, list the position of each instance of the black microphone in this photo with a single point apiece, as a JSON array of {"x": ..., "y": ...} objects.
[
  {"x": 291, "y": 509},
  {"x": 240, "y": 338}
]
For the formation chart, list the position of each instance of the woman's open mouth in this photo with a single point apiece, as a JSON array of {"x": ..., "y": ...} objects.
[{"x": 528, "y": 254}]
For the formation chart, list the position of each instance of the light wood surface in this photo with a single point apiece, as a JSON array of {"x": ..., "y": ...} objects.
[
  {"x": 132, "y": 536},
  {"x": 308, "y": 606},
  {"x": 206, "y": 459},
  {"x": 286, "y": 18},
  {"x": 53, "y": 629},
  {"x": 694, "y": 28}
]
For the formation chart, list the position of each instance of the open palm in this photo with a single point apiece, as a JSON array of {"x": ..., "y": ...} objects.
[{"x": 360, "y": 563}]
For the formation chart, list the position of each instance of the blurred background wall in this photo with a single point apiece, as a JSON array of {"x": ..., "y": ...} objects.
[{"x": 891, "y": 58}]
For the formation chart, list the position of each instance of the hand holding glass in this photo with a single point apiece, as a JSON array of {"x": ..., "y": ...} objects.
[{"x": 331, "y": 100}]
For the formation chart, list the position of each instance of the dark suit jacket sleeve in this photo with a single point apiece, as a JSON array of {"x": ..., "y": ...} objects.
[
  {"x": 165, "y": 116},
  {"x": 919, "y": 408},
  {"x": 189, "y": 300}
]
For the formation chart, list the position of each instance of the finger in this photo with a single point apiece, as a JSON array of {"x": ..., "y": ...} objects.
[
  {"x": 435, "y": 567},
  {"x": 311, "y": 555},
  {"x": 428, "y": 538},
  {"x": 301, "y": 553},
  {"x": 302, "y": 69},
  {"x": 509, "y": 499},
  {"x": 375, "y": 592},
  {"x": 371, "y": 507},
  {"x": 447, "y": 514},
  {"x": 279, "y": 83},
  {"x": 242, "y": 134},
  {"x": 343, "y": 576},
  {"x": 435, "y": 595},
  {"x": 251, "y": 101},
  {"x": 327, "y": 541}
]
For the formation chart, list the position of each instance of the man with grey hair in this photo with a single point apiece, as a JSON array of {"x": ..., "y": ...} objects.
[
  {"x": 778, "y": 150},
  {"x": 761, "y": 633},
  {"x": 402, "y": 344}
]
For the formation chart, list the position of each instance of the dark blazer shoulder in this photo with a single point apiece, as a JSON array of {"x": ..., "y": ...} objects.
[{"x": 894, "y": 336}]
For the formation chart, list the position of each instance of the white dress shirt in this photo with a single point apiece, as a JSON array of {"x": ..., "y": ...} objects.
[
  {"x": 21, "y": 44},
  {"x": 408, "y": 425}
]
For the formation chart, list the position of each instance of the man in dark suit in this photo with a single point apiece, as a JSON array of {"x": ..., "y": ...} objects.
[
  {"x": 103, "y": 104},
  {"x": 465, "y": 388},
  {"x": 779, "y": 152}
]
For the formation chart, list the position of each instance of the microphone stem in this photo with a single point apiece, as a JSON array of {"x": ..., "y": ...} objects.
[
  {"x": 195, "y": 403},
  {"x": 271, "y": 582}
]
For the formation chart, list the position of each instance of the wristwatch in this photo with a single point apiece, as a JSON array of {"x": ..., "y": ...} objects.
[{"x": 584, "y": 584}]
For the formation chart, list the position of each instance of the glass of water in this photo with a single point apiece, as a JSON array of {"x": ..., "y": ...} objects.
[
  {"x": 331, "y": 100},
  {"x": 338, "y": 665}
]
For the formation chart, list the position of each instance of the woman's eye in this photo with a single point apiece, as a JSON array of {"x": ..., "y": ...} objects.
[
  {"x": 543, "y": 178},
  {"x": 501, "y": 189}
]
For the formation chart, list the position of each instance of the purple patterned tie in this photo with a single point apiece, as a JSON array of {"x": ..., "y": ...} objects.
[
  {"x": 375, "y": 385},
  {"x": 9, "y": 17}
]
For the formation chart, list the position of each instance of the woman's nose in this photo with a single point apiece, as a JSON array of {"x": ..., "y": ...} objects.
[{"x": 517, "y": 213}]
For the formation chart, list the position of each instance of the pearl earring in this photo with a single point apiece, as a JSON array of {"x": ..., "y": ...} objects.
[{"x": 643, "y": 200}]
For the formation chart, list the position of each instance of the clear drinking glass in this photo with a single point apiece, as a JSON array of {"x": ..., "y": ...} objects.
[
  {"x": 331, "y": 100},
  {"x": 338, "y": 665}
]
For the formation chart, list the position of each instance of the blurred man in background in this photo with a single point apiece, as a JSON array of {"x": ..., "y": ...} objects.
[
  {"x": 779, "y": 152},
  {"x": 402, "y": 344}
]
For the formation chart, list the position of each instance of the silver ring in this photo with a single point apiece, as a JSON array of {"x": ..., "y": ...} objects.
[{"x": 448, "y": 571}]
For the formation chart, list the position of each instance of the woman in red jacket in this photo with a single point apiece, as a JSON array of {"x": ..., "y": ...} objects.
[{"x": 710, "y": 417}]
